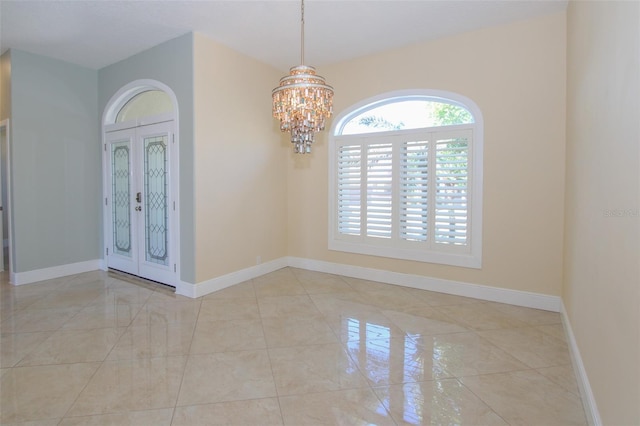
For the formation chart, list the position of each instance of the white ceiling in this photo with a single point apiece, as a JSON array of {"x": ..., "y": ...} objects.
[{"x": 96, "y": 33}]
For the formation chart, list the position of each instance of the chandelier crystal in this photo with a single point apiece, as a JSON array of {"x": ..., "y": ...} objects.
[{"x": 302, "y": 102}]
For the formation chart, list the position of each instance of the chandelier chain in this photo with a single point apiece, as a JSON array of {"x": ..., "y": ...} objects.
[{"x": 302, "y": 33}]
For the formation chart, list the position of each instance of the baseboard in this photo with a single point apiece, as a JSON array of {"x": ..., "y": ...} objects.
[
  {"x": 215, "y": 284},
  {"x": 494, "y": 294},
  {"x": 588, "y": 400},
  {"x": 19, "y": 278}
]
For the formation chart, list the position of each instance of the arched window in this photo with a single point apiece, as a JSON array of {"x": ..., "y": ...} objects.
[
  {"x": 406, "y": 178},
  {"x": 144, "y": 104}
]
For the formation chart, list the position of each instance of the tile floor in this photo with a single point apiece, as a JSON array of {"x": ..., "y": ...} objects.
[{"x": 293, "y": 347}]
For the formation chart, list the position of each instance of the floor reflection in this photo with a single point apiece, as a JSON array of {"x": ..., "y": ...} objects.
[{"x": 388, "y": 359}]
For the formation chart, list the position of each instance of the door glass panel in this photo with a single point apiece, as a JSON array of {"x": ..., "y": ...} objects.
[
  {"x": 121, "y": 198},
  {"x": 155, "y": 200}
]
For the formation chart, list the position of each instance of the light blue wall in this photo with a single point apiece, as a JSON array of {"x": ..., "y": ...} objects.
[
  {"x": 170, "y": 63},
  {"x": 56, "y": 162}
]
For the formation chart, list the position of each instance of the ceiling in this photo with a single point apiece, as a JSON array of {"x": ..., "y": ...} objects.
[{"x": 97, "y": 33}]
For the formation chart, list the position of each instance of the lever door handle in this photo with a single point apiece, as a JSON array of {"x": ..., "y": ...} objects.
[{"x": 139, "y": 197}]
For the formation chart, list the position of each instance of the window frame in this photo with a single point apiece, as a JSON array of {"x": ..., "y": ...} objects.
[{"x": 471, "y": 255}]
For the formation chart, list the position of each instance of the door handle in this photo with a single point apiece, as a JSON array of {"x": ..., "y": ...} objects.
[{"x": 139, "y": 197}]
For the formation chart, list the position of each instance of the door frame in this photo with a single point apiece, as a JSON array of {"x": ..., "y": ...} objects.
[
  {"x": 7, "y": 209},
  {"x": 115, "y": 104}
]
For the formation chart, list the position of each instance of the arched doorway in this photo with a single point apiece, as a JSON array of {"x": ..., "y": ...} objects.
[{"x": 141, "y": 181}]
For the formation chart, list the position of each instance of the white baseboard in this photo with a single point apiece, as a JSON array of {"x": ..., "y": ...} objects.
[
  {"x": 512, "y": 297},
  {"x": 476, "y": 291},
  {"x": 494, "y": 294},
  {"x": 209, "y": 286},
  {"x": 19, "y": 278},
  {"x": 588, "y": 400}
]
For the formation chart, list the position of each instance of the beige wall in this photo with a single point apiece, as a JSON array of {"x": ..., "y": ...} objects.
[
  {"x": 5, "y": 86},
  {"x": 240, "y": 163},
  {"x": 516, "y": 75},
  {"x": 602, "y": 266}
]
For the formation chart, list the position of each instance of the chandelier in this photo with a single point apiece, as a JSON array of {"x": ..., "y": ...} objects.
[{"x": 303, "y": 101}]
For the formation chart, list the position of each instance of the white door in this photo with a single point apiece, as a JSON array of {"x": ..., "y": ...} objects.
[{"x": 139, "y": 204}]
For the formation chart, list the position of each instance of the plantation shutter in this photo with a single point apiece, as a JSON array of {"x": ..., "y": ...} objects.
[
  {"x": 413, "y": 193},
  {"x": 407, "y": 192},
  {"x": 349, "y": 189},
  {"x": 451, "y": 191},
  {"x": 379, "y": 205}
]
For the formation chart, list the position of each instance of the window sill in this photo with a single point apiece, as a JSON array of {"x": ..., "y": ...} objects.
[{"x": 465, "y": 260}]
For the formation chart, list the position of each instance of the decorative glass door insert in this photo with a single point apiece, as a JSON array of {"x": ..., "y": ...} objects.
[
  {"x": 120, "y": 196},
  {"x": 155, "y": 195}
]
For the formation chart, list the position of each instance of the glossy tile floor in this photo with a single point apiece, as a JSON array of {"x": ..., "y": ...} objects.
[{"x": 292, "y": 347}]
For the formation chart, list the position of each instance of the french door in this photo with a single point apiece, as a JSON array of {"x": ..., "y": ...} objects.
[{"x": 139, "y": 203}]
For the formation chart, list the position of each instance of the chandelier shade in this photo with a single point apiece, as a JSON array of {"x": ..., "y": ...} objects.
[{"x": 302, "y": 102}]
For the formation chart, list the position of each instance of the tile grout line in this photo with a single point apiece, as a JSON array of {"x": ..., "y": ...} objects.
[
  {"x": 186, "y": 362},
  {"x": 102, "y": 363},
  {"x": 273, "y": 376}
]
